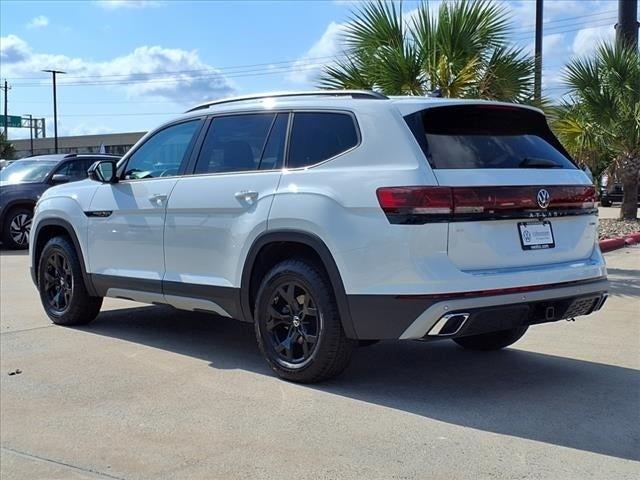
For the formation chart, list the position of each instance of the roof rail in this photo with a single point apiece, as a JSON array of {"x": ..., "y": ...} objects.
[{"x": 313, "y": 93}]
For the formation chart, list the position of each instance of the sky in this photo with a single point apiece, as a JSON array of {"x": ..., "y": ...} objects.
[{"x": 134, "y": 64}]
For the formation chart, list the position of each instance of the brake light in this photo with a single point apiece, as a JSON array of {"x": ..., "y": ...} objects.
[
  {"x": 415, "y": 200},
  {"x": 431, "y": 204}
]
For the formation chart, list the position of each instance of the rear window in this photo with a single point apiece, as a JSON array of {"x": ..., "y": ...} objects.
[
  {"x": 489, "y": 136},
  {"x": 318, "y": 136}
]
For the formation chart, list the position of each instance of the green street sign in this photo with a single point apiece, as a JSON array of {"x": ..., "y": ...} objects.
[{"x": 13, "y": 121}]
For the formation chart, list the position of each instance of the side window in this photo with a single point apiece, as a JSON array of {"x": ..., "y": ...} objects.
[
  {"x": 316, "y": 137},
  {"x": 63, "y": 169},
  {"x": 234, "y": 143},
  {"x": 163, "y": 153},
  {"x": 84, "y": 166},
  {"x": 273, "y": 154}
]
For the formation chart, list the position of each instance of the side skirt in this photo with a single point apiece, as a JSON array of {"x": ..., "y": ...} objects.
[{"x": 224, "y": 301}]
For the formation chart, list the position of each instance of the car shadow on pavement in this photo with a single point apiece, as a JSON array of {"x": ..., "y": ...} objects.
[
  {"x": 561, "y": 401},
  {"x": 624, "y": 282},
  {"x": 12, "y": 253}
]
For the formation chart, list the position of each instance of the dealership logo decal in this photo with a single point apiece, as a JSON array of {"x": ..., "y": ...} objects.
[{"x": 543, "y": 198}]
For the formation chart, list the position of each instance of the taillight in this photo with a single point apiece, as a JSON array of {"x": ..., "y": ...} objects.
[
  {"x": 434, "y": 204},
  {"x": 415, "y": 200}
]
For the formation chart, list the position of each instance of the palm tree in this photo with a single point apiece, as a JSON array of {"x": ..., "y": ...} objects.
[
  {"x": 462, "y": 51},
  {"x": 601, "y": 119}
]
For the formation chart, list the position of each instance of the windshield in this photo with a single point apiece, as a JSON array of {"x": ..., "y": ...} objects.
[
  {"x": 27, "y": 171},
  {"x": 473, "y": 137}
]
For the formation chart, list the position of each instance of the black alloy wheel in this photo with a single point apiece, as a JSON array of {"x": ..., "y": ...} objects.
[
  {"x": 63, "y": 292},
  {"x": 297, "y": 323},
  {"x": 58, "y": 282},
  {"x": 293, "y": 324}
]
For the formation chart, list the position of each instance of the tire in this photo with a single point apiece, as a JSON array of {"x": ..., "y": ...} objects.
[
  {"x": 605, "y": 203},
  {"x": 16, "y": 228},
  {"x": 61, "y": 285},
  {"x": 493, "y": 340},
  {"x": 302, "y": 342}
]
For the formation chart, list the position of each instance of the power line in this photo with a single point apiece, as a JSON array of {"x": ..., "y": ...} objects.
[
  {"x": 251, "y": 68},
  {"x": 208, "y": 70},
  {"x": 283, "y": 69},
  {"x": 257, "y": 72},
  {"x": 603, "y": 22}
]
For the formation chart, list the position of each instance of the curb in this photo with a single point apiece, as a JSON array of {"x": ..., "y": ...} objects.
[{"x": 610, "y": 244}]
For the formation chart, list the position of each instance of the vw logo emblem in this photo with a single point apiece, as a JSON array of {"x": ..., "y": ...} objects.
[{"x": 543, "y": 198}]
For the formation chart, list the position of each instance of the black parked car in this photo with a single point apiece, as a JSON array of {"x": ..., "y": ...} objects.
[
  {"x": 614, "y": 194},
  {"x": 22, "y": 183}
]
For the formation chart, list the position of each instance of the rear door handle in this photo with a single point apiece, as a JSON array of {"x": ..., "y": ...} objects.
[
  {"x": 248, "y": 196},
  {"x": 158, "y": 199}
]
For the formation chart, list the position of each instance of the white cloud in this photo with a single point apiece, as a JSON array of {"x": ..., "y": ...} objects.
[
  {"x": 139, "y": 73},
  {"x": 13, "y": 50},
  {"x": 309, "y": 65},
  {"x": 38, "y": 22},
  {"x": 588, "y": 39},
  {"x": 115, "y": 4}
]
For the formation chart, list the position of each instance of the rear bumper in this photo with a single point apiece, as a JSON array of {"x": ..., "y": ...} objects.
[{"x": 421, "y": 316}]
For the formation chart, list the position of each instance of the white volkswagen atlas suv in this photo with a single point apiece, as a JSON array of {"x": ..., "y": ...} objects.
[{"x": 332, "y": 219}]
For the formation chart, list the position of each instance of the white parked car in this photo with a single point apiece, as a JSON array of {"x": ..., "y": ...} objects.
[{"x": 332, "y": 219}]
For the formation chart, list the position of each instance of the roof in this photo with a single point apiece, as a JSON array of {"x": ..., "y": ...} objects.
[
  {"x": 350, "y": 99},
  {"x": 58, "y": 157}
]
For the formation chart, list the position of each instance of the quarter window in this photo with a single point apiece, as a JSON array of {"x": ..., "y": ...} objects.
[
  {"x": 318, "y": 136},
  {"x": 162, "y": 154},
  {"x": 238, "y": 143}
]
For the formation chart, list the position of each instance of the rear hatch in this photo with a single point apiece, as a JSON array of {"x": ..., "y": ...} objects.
[{"x": 517, "y": 198}]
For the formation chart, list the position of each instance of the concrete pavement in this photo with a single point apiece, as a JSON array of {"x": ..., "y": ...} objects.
[{"x": 148, "y": 392}]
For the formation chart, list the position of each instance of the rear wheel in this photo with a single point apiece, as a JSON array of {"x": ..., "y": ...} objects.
[
  {"x": 297, "y": 324},
  {"x": 605, "y": 203},
  {"x": 493, "y": 340},
  {"x": 62, "y": 290},
  {"x": 16, "y": 228}
]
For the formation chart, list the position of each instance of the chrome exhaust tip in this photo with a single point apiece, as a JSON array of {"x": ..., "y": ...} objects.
[
  {"x": 600, "y": 304},
  {"x": 448, "y": 325}
]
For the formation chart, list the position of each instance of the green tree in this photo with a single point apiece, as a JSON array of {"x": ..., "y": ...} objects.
[
  {"x": 600, "y": 123},
  {"x": 462, "y": 51},
  {"x": 6, "y": 148}
]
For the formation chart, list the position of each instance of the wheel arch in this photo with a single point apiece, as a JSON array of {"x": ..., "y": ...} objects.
[
  {"x": 49, "y": 228},
  {"x": 307, "y": 242},
  {"x": 18, "y": 203}
]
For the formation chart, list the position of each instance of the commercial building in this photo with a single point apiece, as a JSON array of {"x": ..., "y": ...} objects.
[{"x": 114, "y": 143}]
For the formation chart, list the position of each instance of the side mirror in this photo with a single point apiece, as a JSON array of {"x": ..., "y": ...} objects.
[
  {"x": 103, "y": 171},
  {"x": 60, "y": 178}
]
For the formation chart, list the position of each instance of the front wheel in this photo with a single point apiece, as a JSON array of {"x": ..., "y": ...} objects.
[
  {"x": 62, "y": 290},
  {"x": 297, "y": 324},
  {"x": 493, "y": 340},
  {"x": 16, "y": 228}
]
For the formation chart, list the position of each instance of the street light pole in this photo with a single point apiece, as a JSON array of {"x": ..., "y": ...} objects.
[
  {"x": 55, "y": 108},
  {"x": 537, "y": 81},
  {"x": 6, "y": 89}
]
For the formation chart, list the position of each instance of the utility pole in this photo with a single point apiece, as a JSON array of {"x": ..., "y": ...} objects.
[
  {"x": 537, "y": 81},
  {"x": 6, "y": 89},
  {"x": 627, "y": 26},
  {"x": 55, "y": 108}
]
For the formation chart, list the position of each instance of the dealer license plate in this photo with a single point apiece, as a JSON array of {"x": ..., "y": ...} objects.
[{"x": 536, "y": 235}]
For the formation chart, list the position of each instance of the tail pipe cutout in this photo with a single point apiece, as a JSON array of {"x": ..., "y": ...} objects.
[{"x": 448, "y": 325}]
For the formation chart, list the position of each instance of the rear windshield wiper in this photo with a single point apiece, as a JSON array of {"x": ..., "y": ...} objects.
[{"x": 534, "y": 162}]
